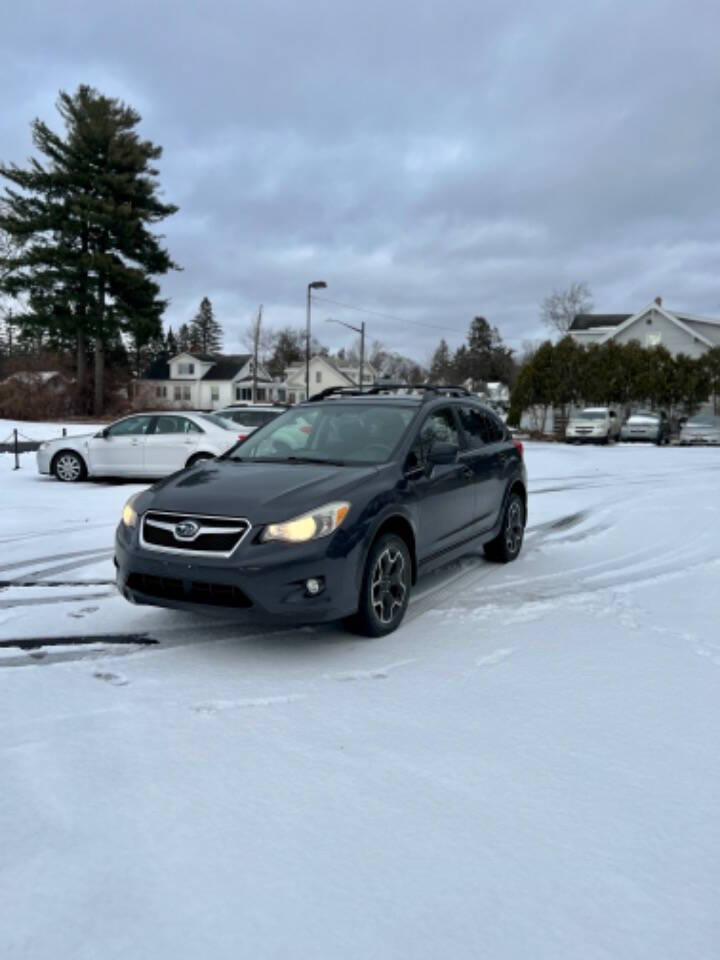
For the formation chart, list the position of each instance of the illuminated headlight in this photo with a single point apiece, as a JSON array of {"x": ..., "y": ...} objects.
[
  {"x": 129, "y": 516},
  {"x": 310, "y": 526}
]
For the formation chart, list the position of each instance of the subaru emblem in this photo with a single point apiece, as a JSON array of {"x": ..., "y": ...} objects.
[{"x": 186, "y": 530}]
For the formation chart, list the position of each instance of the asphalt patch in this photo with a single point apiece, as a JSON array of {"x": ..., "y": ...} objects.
[{"x": 34, "y": 643}]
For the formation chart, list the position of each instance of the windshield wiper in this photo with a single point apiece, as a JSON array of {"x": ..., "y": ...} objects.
[
  {"x": 290, "y": 459},
  {"x": 332, "y": 463}
]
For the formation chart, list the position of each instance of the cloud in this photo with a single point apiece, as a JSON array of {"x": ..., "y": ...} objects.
[{"x": 429, "y": 160}]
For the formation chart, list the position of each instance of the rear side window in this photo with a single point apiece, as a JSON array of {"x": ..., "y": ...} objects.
[{"x": 480, "y": 426}]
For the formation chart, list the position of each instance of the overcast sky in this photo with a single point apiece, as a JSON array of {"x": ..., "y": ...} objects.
[{"x": 430, "y": 161}]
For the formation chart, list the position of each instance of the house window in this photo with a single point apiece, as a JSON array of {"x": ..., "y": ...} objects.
[
  {"x": 243, "y": 393},
  {"x": 185, "y": 369},
  {"x": 261, "y": 394},
  {"x": 186, "y": 393},
  {"x": 215, "y": 394},
  {"x": 653, "y": 339},
  {"x": 176, "y": 393},
  {"x": 281, "y": 394},
  {"x": 318, "y": 376},
  {"x": 158, "y": 391}
]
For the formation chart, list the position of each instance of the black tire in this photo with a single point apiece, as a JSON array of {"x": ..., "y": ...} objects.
[
  {"x": 507, "y": 544},
  {"x": 385, "y": 589},
  {"x": 69, "y": 467},
  {"x": 197, "y": 458}
]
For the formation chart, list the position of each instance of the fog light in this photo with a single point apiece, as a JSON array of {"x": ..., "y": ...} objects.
[{"x": 313, "y": 586}]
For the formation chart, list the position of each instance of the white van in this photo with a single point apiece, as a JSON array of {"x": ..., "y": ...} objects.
[{"x": 593, "y": 425}]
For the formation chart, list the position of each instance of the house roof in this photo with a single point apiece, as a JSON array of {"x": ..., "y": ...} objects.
[
  {"x": 590, "y": 321},
  {"x": 158, "y": 370},
  {"x": 227, "y": 367},
  {"x": 672, "y": 317}
]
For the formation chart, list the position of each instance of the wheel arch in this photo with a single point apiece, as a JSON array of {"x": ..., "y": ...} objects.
[
  {"x": 401, "y": 527},
  {"x": 517, "y": 486},
  {"x": 199, "y": 455}
]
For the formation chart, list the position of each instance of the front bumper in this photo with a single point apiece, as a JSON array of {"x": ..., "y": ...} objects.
[
  {"x": 44, "y": 459},
  {"x": 263, "y": 580}
]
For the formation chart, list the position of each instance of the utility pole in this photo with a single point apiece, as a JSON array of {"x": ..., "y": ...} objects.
[
  {"x": 315, "y": 285},
  {"x": 256, "y": 350},
  {"x": 361, "y": 331}
]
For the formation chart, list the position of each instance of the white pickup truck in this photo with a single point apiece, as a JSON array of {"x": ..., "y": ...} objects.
[{"x": 593, "y": 425}]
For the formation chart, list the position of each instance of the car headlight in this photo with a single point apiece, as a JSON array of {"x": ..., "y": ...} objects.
[
  {"x": 129, "y": 515},
  {"x": 309, "y": 526},
  {"x": 44, "y": 446}
]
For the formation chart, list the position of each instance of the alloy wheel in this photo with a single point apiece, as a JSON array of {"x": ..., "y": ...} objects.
[
  {"x": 514, "y": 526},
  {"x": 388, "y": 586},
  {"x": 68, "y": 468}
]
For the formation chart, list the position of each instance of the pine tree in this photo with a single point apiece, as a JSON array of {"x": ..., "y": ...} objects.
[
  {"x": 171, "y": 346},
  {"x": 441, "y": 363},
  {"x": 88, "y": 258},
  {"x": 183, "y": 338},
  {"x": 205, "y": 331},
  {"x": 289, "y": 347}
]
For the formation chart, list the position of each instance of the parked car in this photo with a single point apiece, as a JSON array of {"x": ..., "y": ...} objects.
[
  {"x": 593, "y": 425},
  {"x": 647, "y": 426},
  {"x": 383, "y": 488},
  {"x": 141, "y": 445},
  {"x": 702, "y": 428},
  {"x": 248, "y": 417}
]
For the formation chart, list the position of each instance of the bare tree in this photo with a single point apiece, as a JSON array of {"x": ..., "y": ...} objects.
[{"x": 562, "y": 306}]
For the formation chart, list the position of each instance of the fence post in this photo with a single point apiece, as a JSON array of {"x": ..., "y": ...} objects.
[{"x": 15, "y": 441}]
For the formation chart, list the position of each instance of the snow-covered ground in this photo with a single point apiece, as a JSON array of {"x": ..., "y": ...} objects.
[
  {"x": 36, "y": 430},
  {"x": 528, "y": 768}
]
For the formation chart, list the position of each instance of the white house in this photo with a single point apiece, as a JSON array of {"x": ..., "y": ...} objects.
[
  {"x": 199, "y": 381},
  {"x": 679, "y": 331},
  {"x": 324, "y": 373}
]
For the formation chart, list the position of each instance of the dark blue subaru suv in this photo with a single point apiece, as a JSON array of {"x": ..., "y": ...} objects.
[{"x": 331, "y": 510}]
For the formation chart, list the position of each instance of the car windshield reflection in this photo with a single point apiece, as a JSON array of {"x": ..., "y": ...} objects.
[{"x": 340, "y": 434}]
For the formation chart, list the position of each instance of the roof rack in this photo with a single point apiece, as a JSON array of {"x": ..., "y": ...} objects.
[{"x": 430, "y": 389}]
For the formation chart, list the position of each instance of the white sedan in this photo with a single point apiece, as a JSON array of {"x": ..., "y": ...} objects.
[{"x": 141, "y": 445}]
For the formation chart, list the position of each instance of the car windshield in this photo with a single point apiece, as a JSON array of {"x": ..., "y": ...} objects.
[
  {"x": 218, "y": 421},
  {"x": 332, "y": 433},
  {"x": 591, "y": 415},
  {"x": 644, "y": 415},
  {"x": 704, "y": 420}
]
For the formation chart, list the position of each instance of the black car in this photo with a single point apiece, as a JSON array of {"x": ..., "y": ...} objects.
[{"x": 330, "y": 511}]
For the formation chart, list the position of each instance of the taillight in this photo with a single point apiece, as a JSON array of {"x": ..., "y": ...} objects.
[
  {"x": 242, "y": 436},
  {"x": 518, "y": 447}
]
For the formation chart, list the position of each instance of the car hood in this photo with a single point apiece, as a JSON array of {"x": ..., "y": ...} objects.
[
  {"x": 587, "y": 423},
  {"x": 700, "y": 428},
  {"x": 262, "y": 492},
  {"x": 75, "y": 438}
]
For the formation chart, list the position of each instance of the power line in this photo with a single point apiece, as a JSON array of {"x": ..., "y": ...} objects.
[
  {"x": 417, "y": 323},
  {"x": 385, "y": 316}
]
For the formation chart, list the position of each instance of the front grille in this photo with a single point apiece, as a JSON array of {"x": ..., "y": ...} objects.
[
  {"x": 189, "y": 591},
  {"x": 214, "y": 536}
]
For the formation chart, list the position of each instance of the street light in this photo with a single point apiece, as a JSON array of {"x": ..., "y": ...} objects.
[
  {"x": 315, "y": 285},
  {"x": 361, "y": 331}
]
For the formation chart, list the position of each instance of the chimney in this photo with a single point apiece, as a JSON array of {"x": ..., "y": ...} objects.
[{"x": 658, "y": 301}]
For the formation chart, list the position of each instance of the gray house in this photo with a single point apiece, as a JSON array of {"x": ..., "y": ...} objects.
[{"x": 654, "y": 325}]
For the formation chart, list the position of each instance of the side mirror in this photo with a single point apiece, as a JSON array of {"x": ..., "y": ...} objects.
[
  {"x": 103, "y": 434},
  {"x": 441, "y": 452}
]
